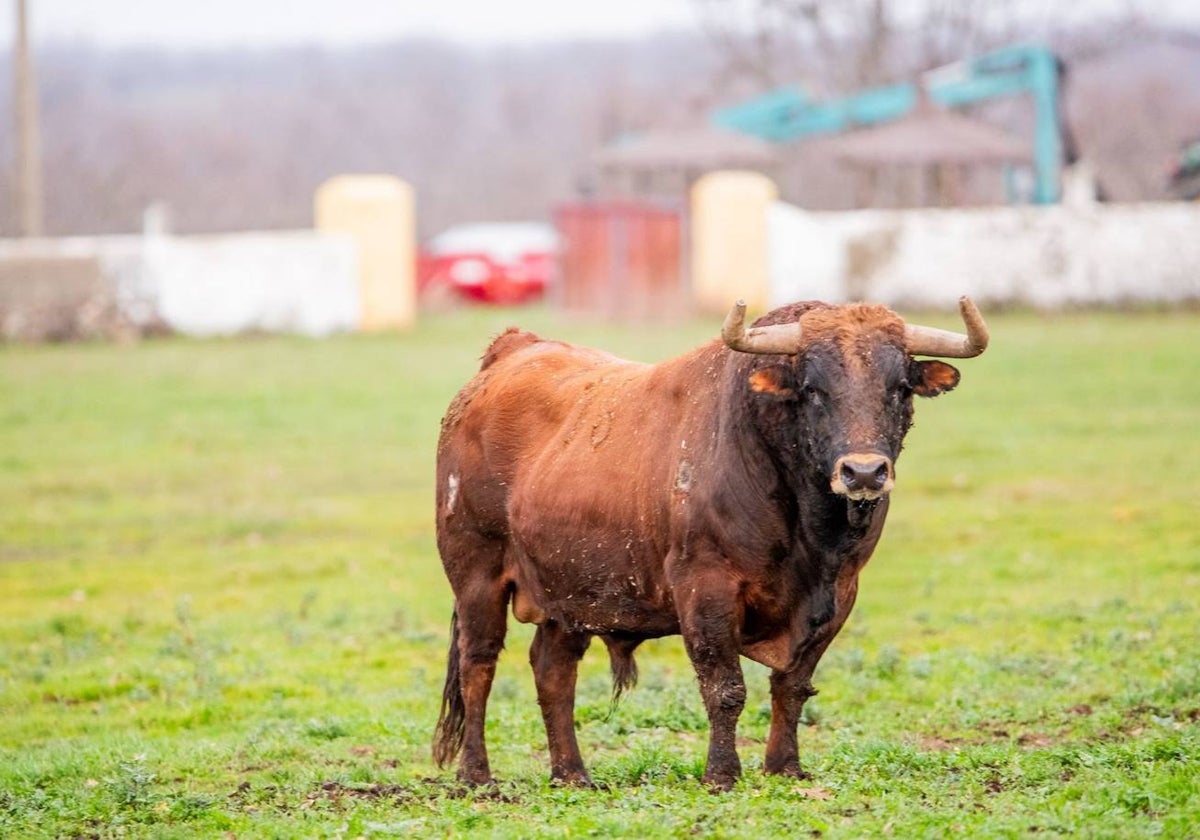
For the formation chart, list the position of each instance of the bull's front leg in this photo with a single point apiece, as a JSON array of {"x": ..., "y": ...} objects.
[
  {"x": 790, "y": 689},
  {"x": 710, "y": 620}
]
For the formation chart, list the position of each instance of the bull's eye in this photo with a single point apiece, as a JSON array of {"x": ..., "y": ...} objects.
[{"x": 898, "y": 394}]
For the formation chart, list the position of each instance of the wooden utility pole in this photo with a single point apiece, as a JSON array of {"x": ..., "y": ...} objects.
[{"x": 28, "y": 140}]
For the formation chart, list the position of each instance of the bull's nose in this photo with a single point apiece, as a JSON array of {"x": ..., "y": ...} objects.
[
  {"x": 862, "y": 476},
  {"x": 868, "y": 475}
]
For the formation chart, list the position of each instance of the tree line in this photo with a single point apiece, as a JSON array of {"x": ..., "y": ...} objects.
[{"x": 239, "y": 139}]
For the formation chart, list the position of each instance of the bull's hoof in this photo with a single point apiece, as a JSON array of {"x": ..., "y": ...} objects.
[
  {"x": 575, "y": 779},
  {"x": 791, "y": 770},
  {"x": 476, "y": 777},
  {"x": 720, "y": 782}
]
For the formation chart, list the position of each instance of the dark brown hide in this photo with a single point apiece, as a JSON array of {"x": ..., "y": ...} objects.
[{"x": 601, "y": 497}]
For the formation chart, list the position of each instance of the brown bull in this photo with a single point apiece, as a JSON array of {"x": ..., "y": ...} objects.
[{"x": 731, "y": 495}]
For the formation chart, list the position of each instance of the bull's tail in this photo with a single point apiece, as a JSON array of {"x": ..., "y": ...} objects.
[
  {"x": 623, "y": 665},
  {"x": 452, "y": 719}
]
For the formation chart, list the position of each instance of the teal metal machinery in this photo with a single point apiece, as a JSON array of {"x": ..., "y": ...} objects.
[{"x": 789, "y": 114}]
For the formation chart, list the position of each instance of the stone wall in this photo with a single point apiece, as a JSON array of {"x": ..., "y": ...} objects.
[
  {"x": 1045, "y": 257},
  {"x": 290, "y": 281}
]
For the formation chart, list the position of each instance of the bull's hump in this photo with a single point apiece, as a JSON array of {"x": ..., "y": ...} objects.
[
  {"x": 507, "y": 342},
  {"x": 519, "y": 349}
]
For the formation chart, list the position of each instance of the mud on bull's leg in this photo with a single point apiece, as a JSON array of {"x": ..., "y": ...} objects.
[
  {"x": 710, "y": 623},
  {"x": 555, "y": 655}
]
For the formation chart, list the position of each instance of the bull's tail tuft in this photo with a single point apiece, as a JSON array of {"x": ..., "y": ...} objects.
[
  {"x": 452, "y": 719},
  {"x": 623, "y": 665}
]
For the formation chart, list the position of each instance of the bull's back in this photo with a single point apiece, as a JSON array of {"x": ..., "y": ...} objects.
[
  {"x": 577, "y": 433},
  {"x": 509, "y": 414}
]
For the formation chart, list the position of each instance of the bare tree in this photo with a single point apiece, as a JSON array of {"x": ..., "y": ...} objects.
[
  {"x": 235, "y": 139},
  {"x": 840, "y": 45}
]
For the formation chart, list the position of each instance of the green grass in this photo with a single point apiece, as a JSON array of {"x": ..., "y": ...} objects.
[{"x": 221, "y": 608}]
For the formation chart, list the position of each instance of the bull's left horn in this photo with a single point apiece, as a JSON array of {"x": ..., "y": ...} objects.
[
  {"x": 929, "y": 341},
  {"x": 776, "y": 338}
]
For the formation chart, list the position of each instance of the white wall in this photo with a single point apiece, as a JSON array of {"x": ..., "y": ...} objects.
[
  {"x": 1046, "y": 257},
  {"x": 803, "y": 262},
  {"x": 288, "y": 281},
  {"x": 299, "y": 282}
]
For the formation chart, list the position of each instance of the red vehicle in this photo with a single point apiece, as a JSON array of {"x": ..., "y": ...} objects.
[{"x": 495, "y": 262}]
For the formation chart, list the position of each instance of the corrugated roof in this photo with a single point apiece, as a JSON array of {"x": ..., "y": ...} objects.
[
  {"x": 700, "y": 148},
  {"x": 927, "y": 136}
]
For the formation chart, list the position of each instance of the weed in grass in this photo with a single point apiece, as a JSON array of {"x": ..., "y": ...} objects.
[
  {"x": 130, "y": 785},
  {"x": 326, "y": 729}
]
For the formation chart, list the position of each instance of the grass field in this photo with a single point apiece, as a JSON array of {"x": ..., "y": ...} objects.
[{"x": 222, "y": 612}]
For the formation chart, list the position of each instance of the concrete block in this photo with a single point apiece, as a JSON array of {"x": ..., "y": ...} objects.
[
  {"x": 379, "y": 212},
  {"x": 730, "y": 240}
]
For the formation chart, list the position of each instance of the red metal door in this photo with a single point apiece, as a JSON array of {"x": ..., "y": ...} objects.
[{"x": 622, "y": 259}]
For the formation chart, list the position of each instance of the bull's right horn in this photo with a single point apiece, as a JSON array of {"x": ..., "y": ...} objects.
[{"x": 776, "y": 338}]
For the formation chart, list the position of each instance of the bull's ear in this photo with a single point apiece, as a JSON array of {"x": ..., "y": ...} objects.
[
  {"x": 773, "y": 380},
  {"x": 932, "y": 377}
]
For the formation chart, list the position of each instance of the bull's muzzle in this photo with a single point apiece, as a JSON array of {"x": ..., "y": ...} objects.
[{"x": 863, "y": 476}]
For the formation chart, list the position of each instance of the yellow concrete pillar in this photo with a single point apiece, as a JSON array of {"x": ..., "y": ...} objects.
[
  {"x": 379, "y": 213},
  {"x": 729, "y": 240}
]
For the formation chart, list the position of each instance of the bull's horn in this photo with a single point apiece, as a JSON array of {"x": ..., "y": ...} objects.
[
  {"x": 929, "y": 341},
  {"x": 777, "y": 338}
]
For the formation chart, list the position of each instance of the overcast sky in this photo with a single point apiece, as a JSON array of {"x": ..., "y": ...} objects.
[
  {"x": 220, "y": 22},
  {"x": 192, "y": 23}
]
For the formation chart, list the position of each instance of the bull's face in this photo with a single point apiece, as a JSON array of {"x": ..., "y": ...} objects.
[
  {"x": 843, "y": 399},
  {"x": 849, "y": 415}
]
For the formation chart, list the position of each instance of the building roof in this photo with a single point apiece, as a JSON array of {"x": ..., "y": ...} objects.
[
  {"x": 930, "y": 135},
  {"x": 697, "y": 148}
]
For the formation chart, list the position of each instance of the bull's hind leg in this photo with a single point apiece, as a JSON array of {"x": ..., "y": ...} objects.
[
  {"x": 475, "y": 568},
  {"x": 482, "y": 626},
  {"x": 555, "y": 655}
]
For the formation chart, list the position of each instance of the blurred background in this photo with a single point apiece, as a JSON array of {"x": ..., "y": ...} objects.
[{"x": 549, "y": 150}]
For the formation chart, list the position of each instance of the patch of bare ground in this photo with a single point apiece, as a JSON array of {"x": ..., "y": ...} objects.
[
  {"x": 1039, "y": 740},
  {"x": 989, "y": 732},
  {"x": 337, "y": 793},
  {"x": 934, "y": 743},
  {"x": 1029, "y": 736}
]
